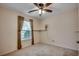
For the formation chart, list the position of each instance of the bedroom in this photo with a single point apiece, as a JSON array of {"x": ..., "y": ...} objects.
[{"x": 52, "y": 33}]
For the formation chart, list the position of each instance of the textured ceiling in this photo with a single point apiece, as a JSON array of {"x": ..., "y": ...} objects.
[{"x": 25, "y": 7}]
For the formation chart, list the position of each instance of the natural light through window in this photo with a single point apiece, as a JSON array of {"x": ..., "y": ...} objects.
[{"x": 26, "y": 31}]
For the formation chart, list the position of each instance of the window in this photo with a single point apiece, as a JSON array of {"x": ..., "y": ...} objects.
[{"x": 26, "y": 31}]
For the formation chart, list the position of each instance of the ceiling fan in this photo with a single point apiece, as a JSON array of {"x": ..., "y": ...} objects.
[{"x": 42, "y": 7}]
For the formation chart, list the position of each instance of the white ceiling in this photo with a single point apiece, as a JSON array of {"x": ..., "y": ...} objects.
[{"x": 25, "y": 7}]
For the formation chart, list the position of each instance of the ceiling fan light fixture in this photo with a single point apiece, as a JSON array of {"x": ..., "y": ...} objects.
[
  {"x": 43, "y": 11},
  {"x": 42, "y": 8},
  {"x": 40, "y": 11}
]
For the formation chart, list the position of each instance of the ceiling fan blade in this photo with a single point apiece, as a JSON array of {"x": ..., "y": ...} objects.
[
  {"x": 36, "y": 4},
  {"x": 33, "y": 11},
  {"x": 48, "y": 4},
  {"x": 47, "y": 10}
]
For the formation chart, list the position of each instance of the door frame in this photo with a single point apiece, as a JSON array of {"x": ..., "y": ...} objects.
[
  {"x": 31, "y": 21},
  {"x": 18, "y": 33}
]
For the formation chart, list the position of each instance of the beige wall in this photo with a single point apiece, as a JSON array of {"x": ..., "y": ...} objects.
[
  {"x": 61, "y": 30},
  {"x": 78, "y": 27},
  {"x": 8, "y": 30}
]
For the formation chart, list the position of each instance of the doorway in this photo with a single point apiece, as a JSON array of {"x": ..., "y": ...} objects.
[{"x": 25, "y": 32}]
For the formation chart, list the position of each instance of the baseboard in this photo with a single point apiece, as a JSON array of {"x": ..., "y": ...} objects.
[
  {"x": 3, "y": 54},
  {"x": 17, "y": 49},
  {"x": 68, "y": 52},
  {"x": 59, "y": 46}
]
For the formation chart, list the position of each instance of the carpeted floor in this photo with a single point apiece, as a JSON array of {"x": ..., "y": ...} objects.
[{"x": 43, "y": 50}]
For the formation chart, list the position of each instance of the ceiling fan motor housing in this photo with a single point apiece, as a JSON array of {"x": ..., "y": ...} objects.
[{"x": 41, "y": 5}]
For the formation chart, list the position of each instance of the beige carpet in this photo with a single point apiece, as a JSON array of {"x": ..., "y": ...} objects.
[{"x": 43, "y": 50}]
